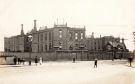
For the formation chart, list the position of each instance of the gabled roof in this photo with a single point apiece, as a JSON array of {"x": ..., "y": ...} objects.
[{"x": 115, "y": 44}]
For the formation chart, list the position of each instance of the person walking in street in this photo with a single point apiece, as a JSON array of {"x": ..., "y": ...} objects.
[
  {"x": 23, "y": 61},
  {"x": 36, "y": 60},
  {"x": 130, "y": 59},
  {"x": 73, "y": 57},
  {"x": 18, "y": 60},
  {"x": 40, "y": 60},
  {"x": 95, "y": 63},
  {"x": 15, "y": 60}
]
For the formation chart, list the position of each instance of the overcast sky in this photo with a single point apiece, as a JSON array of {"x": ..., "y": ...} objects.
[{"x": 103, "y": 17}]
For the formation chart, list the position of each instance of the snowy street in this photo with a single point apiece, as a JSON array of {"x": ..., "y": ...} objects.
[{"x": 66, "y": 72}]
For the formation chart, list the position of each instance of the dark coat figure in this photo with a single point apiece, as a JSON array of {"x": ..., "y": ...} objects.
[
  {"x": 36, "y": 60},
  {"x": 15, "y": 60},
  {"x": 74, "y": 57},
  {"x": 95, "y": 62},
  {"x": 29, "y": 61},
  {"x": 130, "y": 59},
  {"x": 18, "y": 60},
  {"x": 23, "y": 61}
]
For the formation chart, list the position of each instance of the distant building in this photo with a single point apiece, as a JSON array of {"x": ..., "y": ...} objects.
[
  {"x": 60, "y": 37},
  {"x": 106, "y": 43}
]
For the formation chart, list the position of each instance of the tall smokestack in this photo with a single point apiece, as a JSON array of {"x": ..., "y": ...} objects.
[
  {"x": 92, "y": 36},
  {"x": 35, "y": 25},
  {"x": 22, "y": 32}
]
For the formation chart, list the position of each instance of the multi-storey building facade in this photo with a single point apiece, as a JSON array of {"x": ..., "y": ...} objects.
[
  {"x": 46, "y": 39},
  {"x": 60, "y": 37},
  {"x": 15, "y": 43}
]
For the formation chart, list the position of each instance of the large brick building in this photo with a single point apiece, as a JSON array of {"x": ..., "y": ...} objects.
[
  {"x": 46, "y": 39},
  {"x": 60, "y": 37},
  {"x": 15, "y": 43},
  {"x": 106, "y": 43}
]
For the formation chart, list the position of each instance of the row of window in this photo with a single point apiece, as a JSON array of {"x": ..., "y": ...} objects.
[
  {"x": 76, "y": 35},
  {"x": 44, "y": 36},
  {"x": 14, "y": 41},
  {"x": 40, "y": 36}
]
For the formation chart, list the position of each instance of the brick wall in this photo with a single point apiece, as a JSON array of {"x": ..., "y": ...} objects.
[{"x": 68, "y": 56}]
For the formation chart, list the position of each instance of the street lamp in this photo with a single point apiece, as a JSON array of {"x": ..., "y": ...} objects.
[{"x": 30, "y": 38}]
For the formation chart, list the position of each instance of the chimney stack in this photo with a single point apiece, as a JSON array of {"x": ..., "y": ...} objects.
[
  {"x": 35, "y": 25},
  {"x": 22, "y": 32},
  {"x": 92, "y": 36},
  {"x": 123, "y": 40}
]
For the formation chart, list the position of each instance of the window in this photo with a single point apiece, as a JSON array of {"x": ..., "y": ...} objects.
[
  {"x": 108, "y": 47},
  {"x": 50, "y": 36},
  {"x": 38, "y": 48},
  {"x": 50, "y": 46},
  {"x": 45, "y": 48},
  {"x": 41, "y": 47},
  {"x": 76, "y": 36},
  {"x": 70, "y": 35},
  {"x": 60, "y": 45},
  {"x": 46, "y": 36},
  {"x": 81, "y": 35},
  {"x": 38, "y": 37},
  {"x": 60, "y": 33},
  {"x": 41, "y": 37}
]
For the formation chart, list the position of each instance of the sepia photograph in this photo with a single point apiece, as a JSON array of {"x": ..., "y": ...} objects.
[{"x": 67, "y": 41}]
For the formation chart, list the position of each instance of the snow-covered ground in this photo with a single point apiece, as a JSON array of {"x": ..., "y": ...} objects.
[{"x": 66, "y": 72}]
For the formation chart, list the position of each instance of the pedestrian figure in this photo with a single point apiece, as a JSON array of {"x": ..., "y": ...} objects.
[
  {"x": 23, "y": 61},
  {"x": 95, "y": 62},
  {"x": 130, "y": 59},
  {"x": 36, "y": 60},
  {"x": 40, "y": 60},
  {"x": 18, "y": 60},
  {"x": 73, "y": 57},
  {"x": 15, "y": 60},
  {"x": 29, "y": 61}
]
